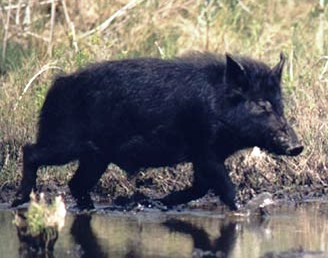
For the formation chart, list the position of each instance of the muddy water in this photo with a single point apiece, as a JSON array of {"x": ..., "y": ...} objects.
[{"x": 301, "y": 229}]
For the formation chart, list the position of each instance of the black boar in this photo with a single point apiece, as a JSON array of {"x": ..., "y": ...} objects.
[{"x": 149, "y": 112}]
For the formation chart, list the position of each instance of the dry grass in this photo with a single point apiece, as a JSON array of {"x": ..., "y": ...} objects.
[{"x": 163, "y": 29}]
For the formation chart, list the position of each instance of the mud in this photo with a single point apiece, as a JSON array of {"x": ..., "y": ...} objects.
[
  {"x": 295, "y": 253},
  {"x": 253, "y": 172}
]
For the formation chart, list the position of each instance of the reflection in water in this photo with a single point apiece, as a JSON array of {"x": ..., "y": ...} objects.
[
  {"x": 84, "y": 237},
  {"x": 220, "y": 247},
  {"x": 90, "y": 245},
  {"x": 195, "y": 234},
  {"x": 25, "y": 252}
]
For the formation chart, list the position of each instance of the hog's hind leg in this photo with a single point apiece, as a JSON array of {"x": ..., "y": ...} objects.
[
  {"x": 34, "y": 156},
  {"x": 30, "y": 167}
]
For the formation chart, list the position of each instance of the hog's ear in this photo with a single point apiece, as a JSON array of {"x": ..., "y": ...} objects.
[
  {"x": 235, "y": 74},
  {"x": 277, "y": 70}
]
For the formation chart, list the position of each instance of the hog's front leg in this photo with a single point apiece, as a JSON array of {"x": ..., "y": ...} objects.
[
  {"x": 214, "y": 175},
  {"x": 208, "y": 174}
]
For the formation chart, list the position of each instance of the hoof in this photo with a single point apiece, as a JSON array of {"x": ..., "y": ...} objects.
[
  {"x": 233, "y": 207},
  {"x": 19, "y": 200},
  {"x": 85, "y": 203},
  {"x": 164, "y": 204},
  {"x": 157, "y": 204},
  {"x": 229, "y": 202}
]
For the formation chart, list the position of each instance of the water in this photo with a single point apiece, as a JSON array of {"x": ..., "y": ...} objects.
[{"x": 183, "y": 234}]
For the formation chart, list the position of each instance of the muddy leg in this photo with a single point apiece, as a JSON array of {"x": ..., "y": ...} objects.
[
  {"x": 35, "y": 156},
  {"x": 28, "y": 182},
  {"x": 216, "y": 177},
  {"x": 91, "y": 167},
  {"x": 223, "y": 186},
  {"x": 197, "y": 191},
  {"x": 208, "y": 174}
]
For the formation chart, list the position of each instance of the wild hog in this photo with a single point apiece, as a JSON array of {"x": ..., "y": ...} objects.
[{"x": 148, "y": 112}]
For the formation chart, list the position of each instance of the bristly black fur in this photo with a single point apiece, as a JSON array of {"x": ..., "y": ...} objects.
[{"x": 149, "y": 112}]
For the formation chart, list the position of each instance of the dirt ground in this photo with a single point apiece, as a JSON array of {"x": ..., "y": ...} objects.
[{"x": 252, "y": 171}]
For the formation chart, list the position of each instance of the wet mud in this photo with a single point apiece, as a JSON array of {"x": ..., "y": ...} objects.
[{"x": 252, "y": 176}]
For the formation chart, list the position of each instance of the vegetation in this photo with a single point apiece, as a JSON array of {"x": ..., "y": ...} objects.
[
  {"x": 38, "y": 228},
  {"x": 42, "y": 38}
]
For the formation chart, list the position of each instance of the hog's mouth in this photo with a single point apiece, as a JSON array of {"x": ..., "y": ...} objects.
[
  {"x": 286, "y": 148},
  {"x": 294, "y": 150}
]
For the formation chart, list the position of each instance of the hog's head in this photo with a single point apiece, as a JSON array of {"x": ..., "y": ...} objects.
[{"x": 256, "y": 113}]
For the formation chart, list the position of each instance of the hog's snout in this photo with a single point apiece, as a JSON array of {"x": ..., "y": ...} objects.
[
  {"x": 293, "y": 146},
  {"x": 294, "y": 149},
  {"x": 287, "y": 142}
]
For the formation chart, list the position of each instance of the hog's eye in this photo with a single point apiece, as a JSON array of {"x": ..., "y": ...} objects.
[
  {"x": 255, "y": 108},
  {"x": 260, "y": 107},
  {"x": 266, "y": 105}
]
